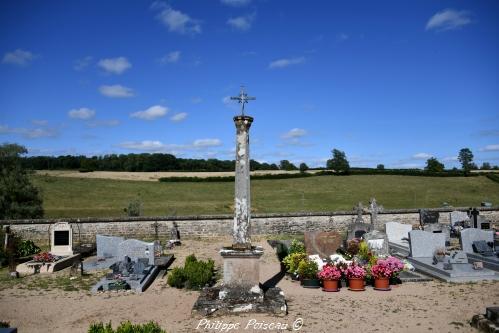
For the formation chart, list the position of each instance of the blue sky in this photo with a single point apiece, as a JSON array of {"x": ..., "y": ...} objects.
[{"x": 390, "y": 82}]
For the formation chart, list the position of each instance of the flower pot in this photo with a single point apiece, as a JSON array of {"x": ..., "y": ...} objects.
[
  {"x": 310, "y": 283},
  {"x": 355, "y": 284},
  {"x": 382, "y": 283},
  {"x": 330, "y": 285}
]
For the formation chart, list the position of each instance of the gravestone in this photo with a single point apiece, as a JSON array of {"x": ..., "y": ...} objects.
[
  {"x": 396, "y": 232},
  {"x": 486, "y": 204},
  {"x": 424, "y": 244},
  {"x": 482, "y": 223},
  {"x": 437, "y": 228},
  {"x": 357, "y": 230},
  {"x": 107, "y": 246},
  {"x": 359, "y": 210},
  {"x": 428, "y": 217},
  {"x": 377, "y": 241},
  {"x": 483, "y": 248},
  {"x": 135, "y": 249},
  {"x": 322, "y": 243},
  {"x": 458, "y": 257},
  {"x": 374, "y": 209},
  {"x": 473, "y": 213},
  {"x": 457, "y": 217},
  {"x": 62, "y": 239},
  {"x": 470, "y": 235}
]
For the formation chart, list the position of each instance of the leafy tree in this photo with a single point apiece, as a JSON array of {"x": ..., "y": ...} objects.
[
  {"x": 466, "y": 159},
  {"x": 339, "y": 162},
  {"x": 486, "y": 166},
  {"x": 433, "y": 165},
  {"x": 303, "y": 167},
  {"x": 380, "y": 167},
  {"x": 287, "y": 165},
  {"x": 19, "y": 198}
]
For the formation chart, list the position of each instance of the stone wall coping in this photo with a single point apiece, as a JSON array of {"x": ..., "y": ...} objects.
[{"x": 228, "y": 216}]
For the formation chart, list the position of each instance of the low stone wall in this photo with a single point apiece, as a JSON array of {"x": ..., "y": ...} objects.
[{"x": 85, "y": 229}]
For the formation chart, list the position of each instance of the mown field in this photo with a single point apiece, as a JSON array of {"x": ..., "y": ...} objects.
[{"x": 85, "y": 197}]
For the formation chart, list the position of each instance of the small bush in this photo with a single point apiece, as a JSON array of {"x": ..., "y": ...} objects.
[
  {"x": 308, "y": 269},
  {"x": 27, "y": 248},
  {"x": 296, "y": 246},
  {"x": 176, "y": 278},
  {"x": 134, "y": 208},
  {"x": 126, "y": 327},
  {"x": 194, "y": 275}
]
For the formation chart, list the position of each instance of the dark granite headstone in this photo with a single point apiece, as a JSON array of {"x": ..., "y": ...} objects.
[
  {"x": 483, "y": 248},
  {"x": 428, "y": 217},
  {"x": 322, "y": 243}
]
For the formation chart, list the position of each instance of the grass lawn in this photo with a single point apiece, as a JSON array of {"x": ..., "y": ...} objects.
[{"x": 75, "y": 197}]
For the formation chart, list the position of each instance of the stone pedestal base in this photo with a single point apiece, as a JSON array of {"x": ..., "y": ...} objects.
[{"x": 240, "y": 291}]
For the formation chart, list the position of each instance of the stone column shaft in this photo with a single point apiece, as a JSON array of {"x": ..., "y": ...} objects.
[{"x": 242, "y": 204}]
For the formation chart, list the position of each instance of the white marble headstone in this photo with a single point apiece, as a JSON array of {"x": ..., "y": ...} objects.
[
  {"x": 470, "y": 235},
  {"x": 396, "y": 231},
  {"x": 423, "y": 244},
  {"x": 61, "y": 243}
]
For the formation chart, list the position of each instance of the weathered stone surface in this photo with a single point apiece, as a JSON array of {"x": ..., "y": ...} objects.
[
  {"x": 241, "y": 268},
  {"x": 397, "y": 231},
  {"x": 135, "y": 249},
  {"x": 458, "y": 217},
  {"x": 107, "y": 246},
  {"x": 322, "y": 243},
  {"x": 242, "y": 217},
  {"x": 357, "y": 230},
  {"x": 470, "y": 235},
  {"x": 377, "y": 241},
  {"x": 428, "y": 217},
  {"x": 424, "y": 244}
]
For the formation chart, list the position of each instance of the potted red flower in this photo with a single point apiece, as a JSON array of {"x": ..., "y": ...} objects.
[
  {"x": 330, "y": 275},
  {"x": 355, "y": 275}
]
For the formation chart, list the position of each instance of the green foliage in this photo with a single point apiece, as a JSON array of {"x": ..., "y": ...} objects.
[
  {"x": 292, "y": 261},
  {"x": 134, "y": 208},
  {"x": 466, "y": 158},
  {"x": 303, "y": 167},
  {"x": 296, "y": 247},
  {"x": 307, "y": 269},
  {"x": 408, "y": 172},
  {"x": 26, "y": 248},
  {"x": 485, "y": 166},
  {"x": 194, "y": 275},
  {"x": 339, "y": 162},
  {"x": 493, "y": 176},
  {"x": 433, "y": 165},
  {"x": 126, "y": 327},
  {"x": 287, "y": 165},
  {"x": 231, "y": 179},
  {"x": 363, "y": 252},
  {"x": 19, "y": 199},
  {"x": 380, "y": 167},
  {"x": 4, "y": 324}
]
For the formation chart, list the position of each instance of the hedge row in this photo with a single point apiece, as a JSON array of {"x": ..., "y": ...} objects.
[
  {"x": 493, "y": 176},
  {"x": 254, "y": 177}
]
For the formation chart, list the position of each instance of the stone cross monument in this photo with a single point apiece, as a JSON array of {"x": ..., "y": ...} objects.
[{"x": 242, "y": 201}]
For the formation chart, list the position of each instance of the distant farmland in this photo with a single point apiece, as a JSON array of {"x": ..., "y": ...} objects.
[{"x": 80, "y": 195}]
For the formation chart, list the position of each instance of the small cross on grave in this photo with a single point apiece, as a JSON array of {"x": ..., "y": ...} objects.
[
  {"x": 359, "y": 210},
  {"x": 374, "y": 209}
]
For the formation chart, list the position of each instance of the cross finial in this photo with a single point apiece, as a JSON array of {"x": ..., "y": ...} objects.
[{"x": 242, "y": 99}]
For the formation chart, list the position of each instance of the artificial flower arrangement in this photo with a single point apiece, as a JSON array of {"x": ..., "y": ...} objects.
[
  {"x": 44, "y": 257},
  {"x": 329, "y": 272}
]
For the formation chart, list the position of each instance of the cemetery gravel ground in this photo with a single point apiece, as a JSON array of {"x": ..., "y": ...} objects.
[
  {"x": 411, "y": 307},
  {"x": 88, "y": 197}
]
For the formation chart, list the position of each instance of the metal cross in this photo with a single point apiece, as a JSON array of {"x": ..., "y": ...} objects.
[{"x": 243, "y": 98}]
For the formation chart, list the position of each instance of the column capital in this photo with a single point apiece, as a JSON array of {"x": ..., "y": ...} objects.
[{"x": 243, "y": 121}]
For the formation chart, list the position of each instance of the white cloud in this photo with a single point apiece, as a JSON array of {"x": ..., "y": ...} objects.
[
  {"x": 422, "y": 156},
  {"x": 241, "y": 22},
  {"x": 18, "y": 57},
  {"x": 196, "y": 100},
  {"x": 175, "y": 20},
  {"x": 116, "y": 91},
  {"x": 294, "y": 133},
  {"x": 207, "y": 143},
  {"x": 235, "y": 3},
  {"x": 30, "y": 133},
  {"x": 154, "y": 112},
  {"x": 81, "y": 64},
  {"x": 179, "y": 116},
  {"x": 448, "y": 19},
  {"x": 170, "y": 58},
  {"x": 115, "y": 65},
  {"x": 143, "y": 145},
  {"x": 285, "y": 62},
  {"x": 490, "y": 148},
  {"x": 81, "y": 113}
]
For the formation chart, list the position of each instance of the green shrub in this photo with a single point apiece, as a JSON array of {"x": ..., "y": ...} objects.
[
  {"x": 27, "y": 248},
  {"x": 292, "y": 261},
  {"x": 134, "y": 208},
  {"x": 126, "y": 327},
  {"x": 307, "y": 269},
  {"x": 176, "y": 278},
  {"x": 4, "y": 324},
  {"x": 296, "y": 246},
  {"x": 194, "y": 275},
  {"x": 493, "y": 176}
]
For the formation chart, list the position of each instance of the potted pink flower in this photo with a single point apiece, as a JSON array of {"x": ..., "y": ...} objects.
[
  {"x": 330, "y": 275},
  {"x": 355, "y": 275},
  {"x": 383, "y": 270}
]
